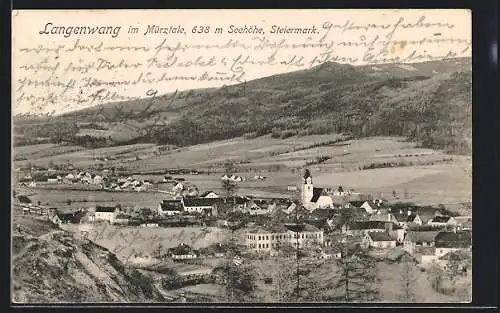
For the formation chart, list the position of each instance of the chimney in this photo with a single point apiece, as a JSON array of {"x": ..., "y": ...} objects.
[{"x": 388, "y": 227}]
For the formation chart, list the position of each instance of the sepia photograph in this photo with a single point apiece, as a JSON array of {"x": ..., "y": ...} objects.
[{"x": 241, "y": 156}]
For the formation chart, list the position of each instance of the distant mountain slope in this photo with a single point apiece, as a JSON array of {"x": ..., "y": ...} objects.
[
  {"x": 51, "y": 266},
  {"x": 430, "y": 102}
]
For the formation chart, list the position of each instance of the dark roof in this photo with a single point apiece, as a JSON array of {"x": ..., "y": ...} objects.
[
  {"x": 404, "y": 217},
  {"x": 354, "y": 211},
  {"x": 121, "y": 216},
  {"x": 318, "y": 192},
  {"x": 322, "y": 213},
  {"x": 171, "y": 205},
  {"x": 421, "y": 236},
  {"x": 453, "y": 240},
  {"x": 268, "y": 229},
  {"x": 190, "y": 202},
  {"x": 181, "y": 249},
  {"x": 65, "y": 216},
  {"x": 380, "y": 236},
  {"x": 104, "y": 209},
  {"x": 364, "y": 225},
  {"x": 441, "y": 219},
  {"x": 356, "y": 204}
]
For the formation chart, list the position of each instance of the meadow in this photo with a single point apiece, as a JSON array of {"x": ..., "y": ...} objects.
[{"x": 424, "y": 176}]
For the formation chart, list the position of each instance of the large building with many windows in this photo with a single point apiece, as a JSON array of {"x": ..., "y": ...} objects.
[{"x": 264, "y": 239}]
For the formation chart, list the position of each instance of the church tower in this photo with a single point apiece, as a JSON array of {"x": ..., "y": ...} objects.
[{"x": 307, "y": 188}]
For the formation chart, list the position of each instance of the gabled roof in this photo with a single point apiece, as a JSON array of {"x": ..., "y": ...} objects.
[
  {"x": 421, "y": 236},
  {"x": 317, "y": 193},
  {"x": 198, "y": 202},
  {"x": 453, "y": 240},
  {"x": 105, "y": 209},
  {"x": 380, "y": 236}
]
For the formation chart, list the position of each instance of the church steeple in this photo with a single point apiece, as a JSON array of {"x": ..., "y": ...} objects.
[{"x": 307, "y": 188}]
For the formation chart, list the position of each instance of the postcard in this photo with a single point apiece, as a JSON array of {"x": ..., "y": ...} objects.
[{"x": 241, "y": 156}]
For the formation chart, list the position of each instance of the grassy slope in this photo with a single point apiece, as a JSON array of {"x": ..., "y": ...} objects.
[{"x": 52, "y": 266}]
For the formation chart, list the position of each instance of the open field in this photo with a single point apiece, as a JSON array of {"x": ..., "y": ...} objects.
[
  {"x": 86, "y": 198},
  {"x": 87, "y": 157},
  {"x": 428, "y": 177},
  {"x": 43, "y": 151}
]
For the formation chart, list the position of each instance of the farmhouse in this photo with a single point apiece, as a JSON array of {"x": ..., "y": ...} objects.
[
  {"x": 265, "y": 239},
  {"x": 416, "y": 239},
  {"x": 183, "y": 252},
  {"x": 447, "y": 242},
  {"x": 170, "y": 207},
  {"x": 313, "y": 198},
  {"x": 330, "y": 253},
  {"x": 255, "y": 209},
  {"x": 379, "y": 240},
  {"x": 371, "y": 207},
  {"x": 105, "y": 213},
  {"x": 198, "y": 205},
  {"x": 441, "y": 221},
  {"x": 405, "y": 219}
]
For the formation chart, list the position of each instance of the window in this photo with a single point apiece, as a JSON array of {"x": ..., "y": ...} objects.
[
  {"x": 302, "y": 236},
  {"x": 267, "y": 245},
  {"x": 267, "y": 237},
  {"x": 259, "y": 245},
  {"x": 259, "y": 237}
]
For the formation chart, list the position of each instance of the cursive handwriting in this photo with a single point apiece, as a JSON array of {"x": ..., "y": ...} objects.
[{"x": 84, "y": 69}]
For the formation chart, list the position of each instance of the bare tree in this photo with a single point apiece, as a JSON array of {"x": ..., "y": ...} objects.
[
  {"x": 158, "y": 251},
  {"x": 228, "y": 185},
  {"x": 357, "y": 279},
  {"x": 408, "y": 281}
]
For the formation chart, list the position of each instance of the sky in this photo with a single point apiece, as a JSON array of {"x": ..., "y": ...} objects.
[{"x": 74, "y": 78}]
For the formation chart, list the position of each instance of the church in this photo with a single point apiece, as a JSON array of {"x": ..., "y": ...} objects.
[{"x": 314, "y": 198}]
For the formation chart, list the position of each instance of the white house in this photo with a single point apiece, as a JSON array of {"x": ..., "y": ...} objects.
[
  {"x": 102, "y": 213},
  {"x": 379, "y": 240},
  {"x": 440, "y": 221},
  {"x": 178, "y": 188},
  {"x": 255, "y": 209},
  {"x": 331, "y": 253},
  {"x": 371, "y": 206},
  {"x": 198, "y": 205}
]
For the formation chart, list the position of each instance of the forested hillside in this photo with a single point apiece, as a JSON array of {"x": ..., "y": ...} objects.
[{"x": 428, "y": 102}]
